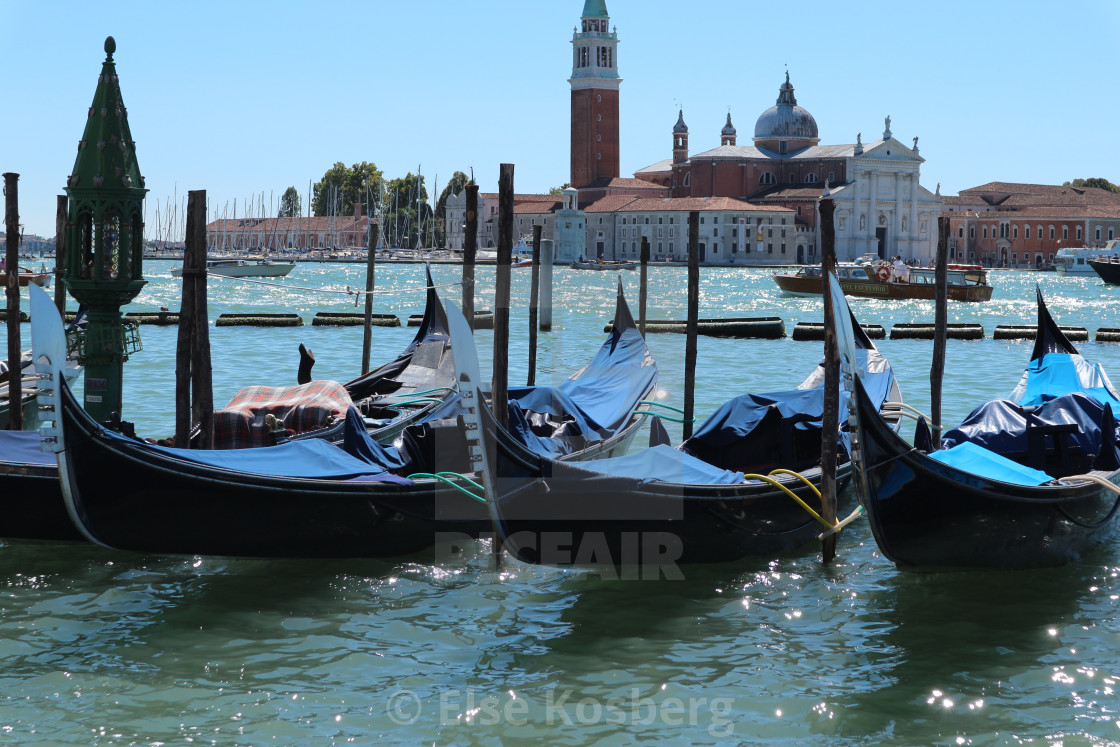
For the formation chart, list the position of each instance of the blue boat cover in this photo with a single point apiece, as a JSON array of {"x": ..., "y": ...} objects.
[
  {"x": 357, "y": 443},
  {"x": 22, "y": 447},
  {"x": 737, "y": 418},
  {"x": 664, "y": 464},
  {"x": 313, "y": 459},
  {"x": 591, "y": 405},
  {"x": 1004, "y": 427},
  {"x": 980, "y": 461},
  {"x": 1056, "y": 374},
  {"x": 600, "y": 397}
]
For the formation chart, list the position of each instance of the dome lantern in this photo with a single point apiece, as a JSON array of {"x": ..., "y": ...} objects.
[{"x": 786, "y": 127}]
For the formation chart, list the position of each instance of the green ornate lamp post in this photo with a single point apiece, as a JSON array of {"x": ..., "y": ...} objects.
[{"x": 104, "y": 238}]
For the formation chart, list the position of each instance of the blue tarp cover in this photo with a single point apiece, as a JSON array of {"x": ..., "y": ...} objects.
[
  {"x": 601, "y": 396},
  {"x": 1055, "y": 374},
  {"x": 664, "y": 464},
  {"x": 739, "y": 416},
  {"x": 22, "y": 447},
  {"x": 357, "y": 443},
  {"x": 980, "y": 461},
  {"x": 1001, "y": 425},
  {"x": 313, "y": 459}
]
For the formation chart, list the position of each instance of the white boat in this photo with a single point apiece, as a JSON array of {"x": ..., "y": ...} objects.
[
  {"x": 1075, "y": 260},
  {"x": 241, "y": 268}
]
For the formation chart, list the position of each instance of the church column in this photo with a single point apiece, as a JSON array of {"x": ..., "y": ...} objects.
[
  {"x": 897, "y": 217},
  {"x": 915, "y": 232},
  {"x": 872, "y": 219}
]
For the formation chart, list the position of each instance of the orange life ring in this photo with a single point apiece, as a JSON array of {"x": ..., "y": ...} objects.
[{"x": 884, "y": 273}]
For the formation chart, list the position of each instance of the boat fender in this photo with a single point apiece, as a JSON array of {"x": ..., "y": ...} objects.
[{"x": 883, "y": 273}]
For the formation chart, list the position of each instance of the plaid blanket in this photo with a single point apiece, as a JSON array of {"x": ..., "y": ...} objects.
[{"x": 255, "y": 413}]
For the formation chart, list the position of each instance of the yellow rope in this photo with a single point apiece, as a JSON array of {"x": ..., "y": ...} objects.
[
  {"x": 791, "y": 494},
  {"x": 799, "y": 476}
]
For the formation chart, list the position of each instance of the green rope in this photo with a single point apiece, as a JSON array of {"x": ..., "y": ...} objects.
[
  {"x": 441, "y": 476},
  {"x": 417, "y": 394},
  {"x": 660, "y": 404},
  {"x": 403, "y": 402},
  {"x": 664, "y": 417}
]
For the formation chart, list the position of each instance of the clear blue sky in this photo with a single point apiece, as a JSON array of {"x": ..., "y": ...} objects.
[{"x": 245, "y": 98}]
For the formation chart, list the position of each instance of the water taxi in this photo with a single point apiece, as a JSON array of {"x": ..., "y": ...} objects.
[{"x": 877, "y": 280}]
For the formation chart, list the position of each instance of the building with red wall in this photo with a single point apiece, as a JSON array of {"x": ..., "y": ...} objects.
[{"x": 1005, "y": 224}]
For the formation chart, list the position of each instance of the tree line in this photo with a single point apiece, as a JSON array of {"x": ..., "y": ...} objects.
[{"x": 407, "y": 218}]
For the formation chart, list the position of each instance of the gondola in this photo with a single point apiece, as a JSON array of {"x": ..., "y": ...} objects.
[
  {"x": 390, "y": 397},
  {"x": 304, "y": 498},
  {"x": 711, "y": 499},
  {"x": 1024, "y": 482},
  {"x": 401, "y": 392}
]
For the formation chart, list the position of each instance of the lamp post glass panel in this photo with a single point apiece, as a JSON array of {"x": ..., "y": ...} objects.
[{"x": 104, "y": 238}]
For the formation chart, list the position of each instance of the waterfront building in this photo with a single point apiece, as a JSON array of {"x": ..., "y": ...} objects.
[
  {"x": 528, "y": 209},
  {"x": 881, "y": 207},
  {"x": 1004, "y": 224},
  {"x": 730, "y": 231},
  {"x": 296, "y": 233}
]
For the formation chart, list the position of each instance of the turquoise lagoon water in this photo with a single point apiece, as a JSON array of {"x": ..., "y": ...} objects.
[{"x": 103, "y": 648}]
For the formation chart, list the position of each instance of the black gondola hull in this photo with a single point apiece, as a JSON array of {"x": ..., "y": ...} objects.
[
  {"x": 927, "y": 514},
  {"x": 31, "y": 505},
  {"x": 128, "y": 498}
]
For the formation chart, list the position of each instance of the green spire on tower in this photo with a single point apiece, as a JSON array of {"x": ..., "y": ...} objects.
[
  {"x": 104, "y": 238},
  {"x": 106, "y": 153},
  {"x": 595, "y": 9}
]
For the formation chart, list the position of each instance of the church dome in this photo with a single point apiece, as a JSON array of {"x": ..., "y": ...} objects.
[{"x": 786, "y": 120}]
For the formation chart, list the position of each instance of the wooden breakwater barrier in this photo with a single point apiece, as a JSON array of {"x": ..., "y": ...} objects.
[
  {"x": 23, "y": 317},
  {"x": 353, "y": 319},
  {"x": 1027, "y": 332},
  {"x": 259, "y": 320},
  {"x": 814, "y": 331},
  {"x": 928, "y": 330},
  {"x": 164, "y": 318},
  {"x": 757, "y": 328},
  {"x": 1107, "y": 334},
  {"x": 483, "y": 319}
]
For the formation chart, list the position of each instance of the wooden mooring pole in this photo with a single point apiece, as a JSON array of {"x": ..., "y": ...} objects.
[
  {"x": 500, "y": 385},
  {"x": 194, "y": 392},
  {"x": 644, "y": 279},
  {"x": 371, "y": 262},
  {"x": 940, "y": 328},
  {"x": 60, "y": 215},
  {"x": 11, "y": 269},
  {"x": 830, "y": 418},
  {"x": 534, "y": 301},
  {"x": 693, "y": 321},
  {"x": 470, "y": 251},
  {"x": 499, "y": 398}
]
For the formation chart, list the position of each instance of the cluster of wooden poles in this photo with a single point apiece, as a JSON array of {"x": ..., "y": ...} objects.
[{"x": 194, "y": 388}]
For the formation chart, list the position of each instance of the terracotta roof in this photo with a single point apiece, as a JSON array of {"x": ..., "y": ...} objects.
[
  {"x": 609, "y": 204},
  {"x": 1061, "y": 213},
  {"x": 626, "y": 183},
  {"x": 536, "y": 207},
  {"x": 677, "y": 204},
  {"x": 797, "y": 193}
]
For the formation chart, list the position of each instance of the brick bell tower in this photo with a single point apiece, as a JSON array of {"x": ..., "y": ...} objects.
[{"x": 595, "y": 85}]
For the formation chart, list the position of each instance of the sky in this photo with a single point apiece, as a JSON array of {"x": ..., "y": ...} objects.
[{"x": 246, "y": 98}]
